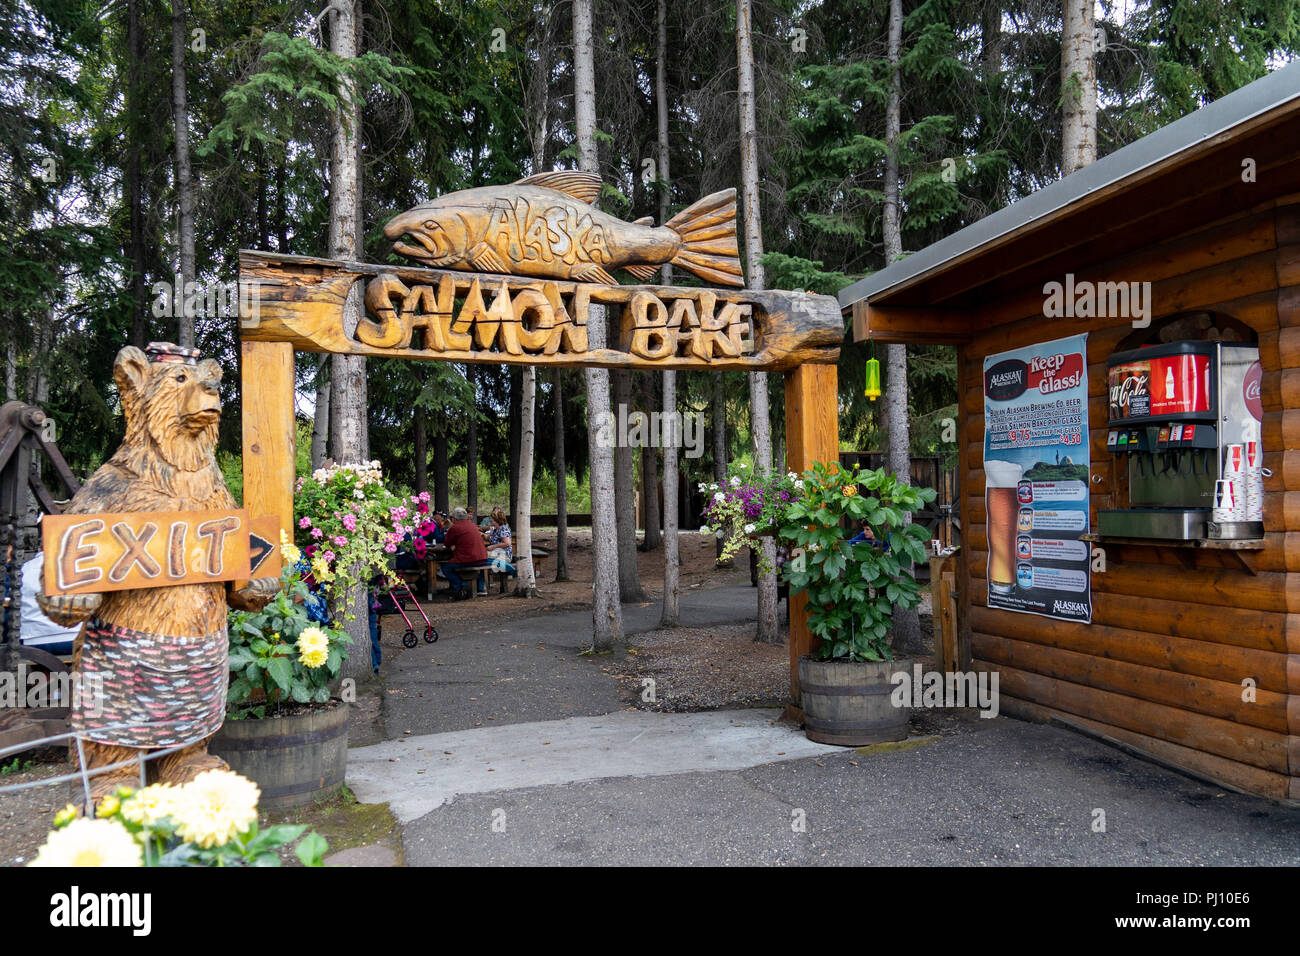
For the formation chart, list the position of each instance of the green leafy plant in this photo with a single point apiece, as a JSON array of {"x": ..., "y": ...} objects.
[
  {"x": 853, "y": 589},
  {"x": 279, "y": 655}
]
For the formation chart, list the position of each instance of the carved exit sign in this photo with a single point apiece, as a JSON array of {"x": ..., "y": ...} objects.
[{"x": 117, "y": 552}]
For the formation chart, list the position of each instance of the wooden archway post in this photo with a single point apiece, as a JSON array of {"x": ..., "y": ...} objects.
[
  {"x": 812, "y": 433},
  {"x": 266, "y": 379}
]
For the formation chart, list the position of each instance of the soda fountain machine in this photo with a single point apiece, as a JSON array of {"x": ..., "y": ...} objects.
[{"x": 1186, "y": 417}]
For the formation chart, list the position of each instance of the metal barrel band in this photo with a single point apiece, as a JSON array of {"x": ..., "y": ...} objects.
[
  {"x": 310, "y": 786},
  {"x": 323, "y": 735},
  {"x": 829, "y": 690}
]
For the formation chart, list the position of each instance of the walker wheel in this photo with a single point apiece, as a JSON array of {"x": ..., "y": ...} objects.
[
  {"x": 409, "y": 639},
  {"x": 430, "y": 635}
]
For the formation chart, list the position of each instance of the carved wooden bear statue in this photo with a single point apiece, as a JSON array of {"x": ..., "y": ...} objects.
[{"x": 156, "y": 657}]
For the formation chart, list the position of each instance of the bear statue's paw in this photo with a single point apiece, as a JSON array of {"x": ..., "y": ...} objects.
[
  {"x": 69, "y": 609},
  {"x": 254, "y": 595}
]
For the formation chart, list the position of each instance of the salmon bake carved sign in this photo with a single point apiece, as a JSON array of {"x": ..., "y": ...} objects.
[{"x": 507, "y": 275}]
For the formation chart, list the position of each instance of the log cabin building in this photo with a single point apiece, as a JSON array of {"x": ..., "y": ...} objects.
[{"x": 1192, "y": 652}]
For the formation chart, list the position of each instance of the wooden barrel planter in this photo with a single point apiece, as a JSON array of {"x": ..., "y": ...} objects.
[
  {"x": 294, "y": 760},
  {"x": 848, "y": 703}
]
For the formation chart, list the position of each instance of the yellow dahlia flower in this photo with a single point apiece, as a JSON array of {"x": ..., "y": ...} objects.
[
  {"x": 86, "y": 842},
  {"x": 148, "y": 806},
  {"x": 66, "y": 815},
  {"x": 313, "y": 647},
  {"x": 215, "y": 807},
  {"x": 288, "y": 550},
  {"x": 108, "y": 806}
]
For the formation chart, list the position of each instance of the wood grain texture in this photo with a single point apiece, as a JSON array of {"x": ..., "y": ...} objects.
[
  {"x": 118, "y": 552},
  {"x": 444, "y": 315},
  {"x": 811, "y": 435},
  {"x": 268, "y": 439}
]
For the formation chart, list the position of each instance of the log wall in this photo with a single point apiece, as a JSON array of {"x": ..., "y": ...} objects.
[{"x": 1175, "y": 632}]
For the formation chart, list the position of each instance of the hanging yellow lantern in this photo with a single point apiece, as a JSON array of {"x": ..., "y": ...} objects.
[{"x": 872, "y": 390}]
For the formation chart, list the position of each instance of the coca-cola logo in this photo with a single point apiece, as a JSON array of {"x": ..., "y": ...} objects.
[
  {"x": 1122, "y": 389},
  {"x": 1006, "y": 380},
  {"x": 1251, "y": 390}
]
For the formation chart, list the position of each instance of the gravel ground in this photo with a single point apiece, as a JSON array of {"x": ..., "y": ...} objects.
[{"x": 703, "y": 669}]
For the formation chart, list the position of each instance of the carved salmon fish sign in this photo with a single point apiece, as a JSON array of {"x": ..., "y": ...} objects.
[{"x": 545, "y": 226}]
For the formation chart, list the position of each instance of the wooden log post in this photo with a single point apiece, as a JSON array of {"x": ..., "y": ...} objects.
[
  {"x": 812, "y": 434},
  {"x": 266, "y": 379}
]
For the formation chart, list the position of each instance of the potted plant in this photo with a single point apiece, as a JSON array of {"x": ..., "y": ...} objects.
[
  {"x": 852, "y": 590},
  {"x": 748, "y": 506},
  {"x": 284, "y": 729}
]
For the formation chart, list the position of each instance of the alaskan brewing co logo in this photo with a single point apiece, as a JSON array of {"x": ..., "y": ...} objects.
[{"x": 1006, "y": 380}]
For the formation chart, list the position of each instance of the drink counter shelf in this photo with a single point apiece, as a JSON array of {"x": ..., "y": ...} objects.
[{"x": 1236, "y": 545}]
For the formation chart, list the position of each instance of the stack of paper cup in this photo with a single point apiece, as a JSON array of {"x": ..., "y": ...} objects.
[
  {"x": 1234, "y": 471},
  {"x": 1224, "y": 502},
  {"x": 1254, "y": 475}
]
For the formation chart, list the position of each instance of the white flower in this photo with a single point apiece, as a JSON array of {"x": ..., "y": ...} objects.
[
  {"x": 705, "y": 529},
  {"x": 749, "y": 529},
  {"x": 713, "y": 486},
  {"x": 702, "y": 487},
  {"x": 718, "y": 535},
  {"x": 798, "y": 483},
  {"x": 735, "y": 481},
  {"x": 719, "y": 496},
  {"x": 215, "y": 807},
  {"x": 792, "y": 476},
  {"x": 358, "y": 493},
  {"x": 85, "y": 842},
  {"x": 741, "y": 464}
]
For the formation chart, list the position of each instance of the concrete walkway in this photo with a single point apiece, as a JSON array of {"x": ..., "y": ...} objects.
[
  {"x": 522, "y": 671},
  {"x": 418, "y": 774},
  {"x": 630, "y": 787}
]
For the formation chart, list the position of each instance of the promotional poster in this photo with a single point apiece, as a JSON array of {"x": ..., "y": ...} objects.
[{"x": 1036, "y": 466}]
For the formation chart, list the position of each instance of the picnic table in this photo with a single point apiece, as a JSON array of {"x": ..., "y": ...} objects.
[{"x": 440, "y": 555}]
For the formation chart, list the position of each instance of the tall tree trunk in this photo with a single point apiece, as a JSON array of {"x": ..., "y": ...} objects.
[
  {"x": 471, "y": 442},
  {"x": 768, "y": 631},
  {"x": 629, "y": 585},
  {"x": 561, "y": 483},
  {"x": 281, "y": 212},
  {"x": 321, "y": 429},
  {"x": 607, "y": 613},
  {"x": 184, "y": 173},
  {"x": 672, "y": 558},
  {"x": 649, "y": 466},
  {"x": 134, "y": 180},
  {"x": 907, "y": 625},
  {"x": 516, "y": 406},
  {"x": 526, "y": 577},
  {"x": 349, "y": 441},
  {"x": 263, "y": 214},
  {"x": 1078, "y": 85},
  {"x": 718, "y": 416},
  {"x": 421, "y": 442},
  {"x": 441, "y": 479}
]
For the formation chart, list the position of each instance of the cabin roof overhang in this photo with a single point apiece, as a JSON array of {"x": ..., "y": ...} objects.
[{"x": 1177, "y": 179}]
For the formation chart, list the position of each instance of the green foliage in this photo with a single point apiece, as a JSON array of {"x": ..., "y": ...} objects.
[
  {"x": 272, "y": 654},
  {"x": 853, "y": 589}
]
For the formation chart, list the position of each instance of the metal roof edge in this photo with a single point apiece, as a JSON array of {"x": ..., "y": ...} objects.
[{"x": 1239, "y": 106}]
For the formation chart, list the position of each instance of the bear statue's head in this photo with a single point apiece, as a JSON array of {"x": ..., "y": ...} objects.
[{"x": 172, "y": 403}]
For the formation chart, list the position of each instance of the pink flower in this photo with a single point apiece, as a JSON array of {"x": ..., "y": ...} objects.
[
  {"x": 305, "y": 522},
  {"x": 317, "y": 533},
  {"x": 328, "y": 556},
  {"x": 350, "y": 522},
  {"x": 340, "y": 540},
  {"x": 390, "y": 547},
  {"x": 424, "y": 496},
  {"x": 423, "y": 508}
]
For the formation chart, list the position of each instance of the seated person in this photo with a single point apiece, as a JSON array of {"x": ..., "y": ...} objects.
[
  {"x": 499, "y": 542},
  {"x": 866, "y": 535},
  {"x": 37, "y": 629},
  {"x": 466, "y": 542}
]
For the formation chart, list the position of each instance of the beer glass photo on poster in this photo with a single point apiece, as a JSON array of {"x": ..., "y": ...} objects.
[{"x": 1002, "y": 505}]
